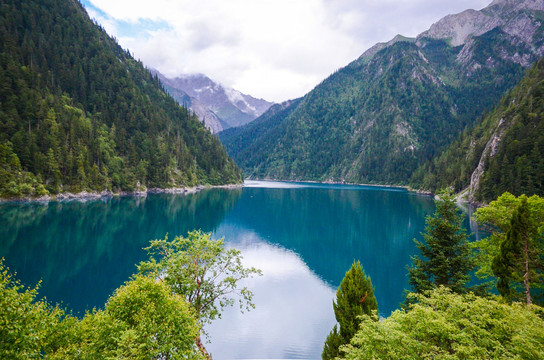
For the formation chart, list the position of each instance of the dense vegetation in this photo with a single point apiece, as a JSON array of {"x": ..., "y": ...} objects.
[
  {"x": 152, "y": 316},
  {"x": 445, "y": 325},
  {"x": 511, "y": 162},
  {"x": 77, "y": 112},
  {"x": 378, "y": 119},
  {"x": 442, "y": 318}
]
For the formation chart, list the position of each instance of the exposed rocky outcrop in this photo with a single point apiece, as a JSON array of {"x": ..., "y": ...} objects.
[{"x": 489, "y": 151}]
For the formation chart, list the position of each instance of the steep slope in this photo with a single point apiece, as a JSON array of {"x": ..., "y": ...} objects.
[
  {"x": 502, "y": 153},
  {"x": 77, "y": 112},
  {"x": 218, "y": 106},
  {"x": 400, "y": 103}
]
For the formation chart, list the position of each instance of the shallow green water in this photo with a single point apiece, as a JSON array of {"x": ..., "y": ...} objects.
[{"x": 303, "y": 236}]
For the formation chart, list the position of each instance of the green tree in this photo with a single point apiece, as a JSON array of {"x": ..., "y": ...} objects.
[
  {"x": 446, "y": 254},
  {"x": 444, "y": 325},
  {"x": 203, "y": 271},
  {"x": 354, "y": 297},
  {"x": 514, "y": 252},
  {"x": 143, "y": 319},
  {"x": 29, "y": 327}
]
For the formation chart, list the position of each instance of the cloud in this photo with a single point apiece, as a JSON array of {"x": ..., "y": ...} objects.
[{"x": 274, "y": 49}]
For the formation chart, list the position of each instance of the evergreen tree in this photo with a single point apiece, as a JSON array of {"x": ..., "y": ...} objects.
[
  {"x": 354, "y": 297},
  {"x": 446, "y": 255},
  {"x": 519, "y": 257}
]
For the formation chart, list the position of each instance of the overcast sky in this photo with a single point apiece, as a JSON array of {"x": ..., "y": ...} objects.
[{"x": 271, "y": 49}]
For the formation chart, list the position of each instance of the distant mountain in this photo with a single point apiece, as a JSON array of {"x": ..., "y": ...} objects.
[
  {"x": 77, "y": 112},
  {"x": 502, "y": 153},
  {"x": 218, "y": 106},
  {"x": 398, "y": 105}
]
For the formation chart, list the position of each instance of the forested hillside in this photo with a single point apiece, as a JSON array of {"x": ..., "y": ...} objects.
[
  {"x": 397, "y": 106},
  {"x": 77, "y": 112},
  {"x": 502, "y": 153}
]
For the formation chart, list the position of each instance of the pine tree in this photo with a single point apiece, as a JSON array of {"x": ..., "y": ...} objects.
[
  {"x": 520, "y": 259},
  {"x": 354, "y": 297},
  {"x": 446, "y": 256}
]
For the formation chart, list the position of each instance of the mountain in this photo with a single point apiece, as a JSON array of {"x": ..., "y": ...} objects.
[
  {"x": 502, "y": 153},
  {"x": 218, "y": 106},
  {"x": 77, "y": 112},
  {"x": 400, "y": 103}
]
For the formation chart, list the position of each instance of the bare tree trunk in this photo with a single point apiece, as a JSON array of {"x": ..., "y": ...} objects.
[
  {"x": 202, "y": 349},
  {"x": 526, "y": 275}
]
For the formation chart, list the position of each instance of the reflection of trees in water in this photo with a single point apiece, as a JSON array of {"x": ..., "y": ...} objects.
[
  {"x": 91, "y": 247},
  {"x": 331, "y": 228}
]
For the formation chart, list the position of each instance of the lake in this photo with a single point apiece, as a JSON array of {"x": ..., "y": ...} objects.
[{"x": 303, "y": 236}]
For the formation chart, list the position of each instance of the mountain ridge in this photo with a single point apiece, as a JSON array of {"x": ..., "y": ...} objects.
[
  {"x": 219, "y": 106},
  {"x": 386, "y": 113}
]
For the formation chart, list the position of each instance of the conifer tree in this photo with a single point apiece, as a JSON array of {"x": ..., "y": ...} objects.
[
  {"x": 354, "y": 297},
  {"x": 520, "y": 257},
  {"x": 446, "y": 255}
]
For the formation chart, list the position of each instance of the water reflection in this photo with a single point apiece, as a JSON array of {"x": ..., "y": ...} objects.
[
  {"x": 304, "y": 237},
  {"x": 294, "y": 307},
  {"x": 330, "y": 228},
  {"x": 82, "y": 251}
]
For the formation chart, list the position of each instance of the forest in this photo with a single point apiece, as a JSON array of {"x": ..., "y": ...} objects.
[{"x": 78, "y": 112}]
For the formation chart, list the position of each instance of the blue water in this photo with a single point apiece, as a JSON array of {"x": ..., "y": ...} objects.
[{"x": 303, "y": 236}]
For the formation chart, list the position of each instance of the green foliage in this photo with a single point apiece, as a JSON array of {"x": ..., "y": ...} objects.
[
  {"x": 445, "y": 325},
  {"x": 29, "y": 327},
  {"x": 141, "y": 320},
  {"x": 378, "y": 120},
  {"x": 515, "y": 248},
  {"x": 203, "y": 271},
  {"x": 81, "y": 114},
  {"x": 514, "y": 163},
  {"x": 354, "y": 297},
  {"x": 446, "y": 254}
]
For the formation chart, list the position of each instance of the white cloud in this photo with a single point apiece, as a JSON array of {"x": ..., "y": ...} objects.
[{"x": 274, "y": 49}]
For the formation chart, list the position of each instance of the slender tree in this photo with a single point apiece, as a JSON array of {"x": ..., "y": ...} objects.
[
  {"x": 354, "y": 297},
  {"x": 514, "y": 252},
  {"x": 204, "y": 272},
  {"x": 446, "y": 255},
  {"x": 518, "y": 258}
]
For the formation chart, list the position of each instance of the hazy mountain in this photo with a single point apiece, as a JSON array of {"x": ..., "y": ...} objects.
[
  {"x": 77, "y": 112},
  {"x": 398, "y": 105},
  {"x": 502, "y": 153},
  {"x": 220, "y": 107}
]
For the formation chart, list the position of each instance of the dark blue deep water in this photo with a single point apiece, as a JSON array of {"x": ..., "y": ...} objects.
[{"x": 303, "y": 236}]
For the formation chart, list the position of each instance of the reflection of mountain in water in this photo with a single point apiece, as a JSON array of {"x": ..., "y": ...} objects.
[
  {"x": 84, "y": 250},
  {"x": 330, "y": 228}
]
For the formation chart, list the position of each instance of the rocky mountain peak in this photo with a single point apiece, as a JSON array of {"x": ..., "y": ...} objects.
[
  {"x": 460, "y": 27},
  {"x": 219, "y": 106},
  {"x": 519, "y": 4}
]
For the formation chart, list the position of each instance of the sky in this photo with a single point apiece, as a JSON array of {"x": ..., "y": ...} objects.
[{"x": 271, "y": 49}]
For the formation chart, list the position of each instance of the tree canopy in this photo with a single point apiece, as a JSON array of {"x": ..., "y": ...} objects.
[
  {"x": 203, "y": 271},
  {"x": 441, "y": 324}
]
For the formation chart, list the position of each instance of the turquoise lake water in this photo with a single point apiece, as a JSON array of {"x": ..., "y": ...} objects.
[{"x": 303, "y": 236}]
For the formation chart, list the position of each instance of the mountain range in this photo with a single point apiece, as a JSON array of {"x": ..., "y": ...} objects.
[
  {"x": 218, "y": 106},
  {"x": 399, "y": 105}
]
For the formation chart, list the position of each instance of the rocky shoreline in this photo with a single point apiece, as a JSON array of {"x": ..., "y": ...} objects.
[{"x": 105, "y": 194}]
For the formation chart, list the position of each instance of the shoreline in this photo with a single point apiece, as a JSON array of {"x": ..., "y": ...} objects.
[
  {"x": 106, "y": 194},
  {"x": 405, "y": 187}
]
